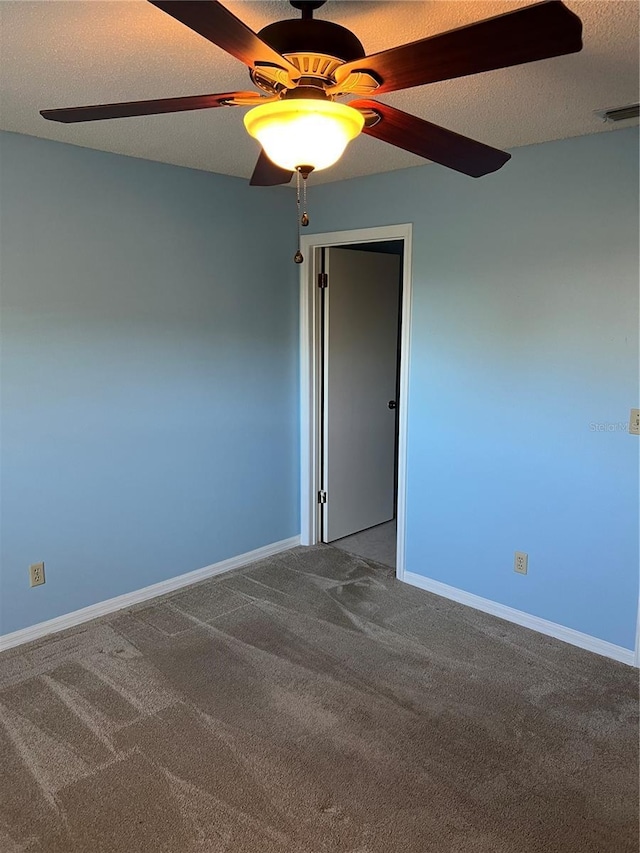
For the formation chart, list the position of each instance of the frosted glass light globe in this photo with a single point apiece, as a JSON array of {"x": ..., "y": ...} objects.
[{"x": 304, "y": 131}]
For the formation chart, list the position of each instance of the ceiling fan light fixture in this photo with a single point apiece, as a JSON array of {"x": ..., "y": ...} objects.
[{"x": 304, "y": 131}]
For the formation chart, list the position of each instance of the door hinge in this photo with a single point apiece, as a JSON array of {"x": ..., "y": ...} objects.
[
  {"x": 322, "y": 497},
  {"x": 323, "y": 279}
]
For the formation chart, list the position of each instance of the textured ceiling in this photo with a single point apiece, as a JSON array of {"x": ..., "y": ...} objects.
[{"x": 57, "y": 53}]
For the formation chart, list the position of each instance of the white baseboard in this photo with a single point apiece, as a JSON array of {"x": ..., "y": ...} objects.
[
  {"x": 510, "y": 614},
  {"x": 102, "y": 608}
]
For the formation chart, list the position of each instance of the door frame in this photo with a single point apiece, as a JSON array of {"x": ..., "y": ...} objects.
[{"x": 311, "y": 374}]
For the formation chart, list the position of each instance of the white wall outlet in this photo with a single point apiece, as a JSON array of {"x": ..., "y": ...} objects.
[
  {"x": 634, "y": 422},
  {"x": 36, "y": 574},
  {"x": 521, "y": 563}
]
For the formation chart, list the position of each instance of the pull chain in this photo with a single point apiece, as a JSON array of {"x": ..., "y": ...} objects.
[
  {"x": 298, "y": 258},
  {"x": 304, "y": 220},
  {"x": 301, "y": 172}
]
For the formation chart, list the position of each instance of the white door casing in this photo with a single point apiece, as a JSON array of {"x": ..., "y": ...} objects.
[
  {"x": 310, "y": 375},
  {"x": 361, "y": 306}
]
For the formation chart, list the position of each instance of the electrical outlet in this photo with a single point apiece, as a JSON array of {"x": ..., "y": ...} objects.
[
  {"x": 36, "y": 574},
  {"x": 634, "y": 422},
  {"x": 521, "y": 562}
]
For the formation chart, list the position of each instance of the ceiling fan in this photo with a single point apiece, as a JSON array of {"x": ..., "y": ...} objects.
[{"x": 301, "y": 66}]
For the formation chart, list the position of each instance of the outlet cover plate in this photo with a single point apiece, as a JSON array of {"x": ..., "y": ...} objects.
[
  {"x": 520, "y": 563},
  {"x": 634, "y": 422},
  {"x": 36, "y": 574}
]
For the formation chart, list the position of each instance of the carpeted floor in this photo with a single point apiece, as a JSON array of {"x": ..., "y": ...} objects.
[
  {"x": 376, "y": 543},
  {"x": 311, "y": 703}
]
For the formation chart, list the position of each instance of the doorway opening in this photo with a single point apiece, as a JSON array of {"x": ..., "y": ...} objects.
[{"x": 355, "y": 312}]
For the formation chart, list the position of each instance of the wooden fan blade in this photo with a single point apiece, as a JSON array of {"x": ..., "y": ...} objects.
[
  {"x": 534, "y": 32},
  {"x": 431, "y": 141},
  {"x": 126, "y": 109},
  {"x": 267, "y": 174},
  {"x": 218, "y": 25}
]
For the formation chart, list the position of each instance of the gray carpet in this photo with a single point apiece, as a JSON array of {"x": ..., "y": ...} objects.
[
  {"x": 376, "y": 543},
  {"x": 311, "y": 703}
]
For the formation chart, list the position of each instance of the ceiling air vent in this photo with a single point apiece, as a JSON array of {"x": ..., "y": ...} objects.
[{"x": 619, "y": 113}]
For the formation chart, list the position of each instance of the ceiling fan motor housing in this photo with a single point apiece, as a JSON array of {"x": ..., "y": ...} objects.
[{"x": 317, "y": 48}]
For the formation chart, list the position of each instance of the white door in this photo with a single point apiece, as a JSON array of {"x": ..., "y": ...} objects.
[{"x": 360, "y": 367}]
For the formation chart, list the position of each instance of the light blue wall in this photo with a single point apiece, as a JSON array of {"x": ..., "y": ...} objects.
[
  {"x": 524, "y": 335},
  {"x": 149, "y": 373}
]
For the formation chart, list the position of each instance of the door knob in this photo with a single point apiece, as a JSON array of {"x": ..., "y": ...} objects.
[{"x": 392, "y": 404}]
